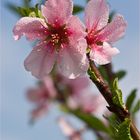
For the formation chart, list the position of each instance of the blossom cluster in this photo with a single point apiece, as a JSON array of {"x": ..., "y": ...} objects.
[
  {"x": 66, "y": 49},
  {"x": 71, "y": 93},
  {"x": 63, "y": 40}
]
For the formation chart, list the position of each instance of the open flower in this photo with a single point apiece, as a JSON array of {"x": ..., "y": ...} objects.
[
  {"x": 41, "y": 97},
  {"x": 102, "y": 34},
  {"x": 61, "y": 40}
]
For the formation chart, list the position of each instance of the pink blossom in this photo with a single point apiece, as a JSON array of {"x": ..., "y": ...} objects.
[
  {"x": 74, "y": 86},
  {"x": 61, "y": 40},
  {"x": 41, "y": 97},
  {"x": 69, "y": 130},
  {"x": 88, "y": 102},
  {"x": 102, "y": 34}
]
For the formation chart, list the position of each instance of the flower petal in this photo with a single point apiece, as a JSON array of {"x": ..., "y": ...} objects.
[
  {"x": 49, "y": 84},
  {"x": 97, "y": 107},
  {"x": 40, "y": 61},
  {"x": 31, "y": 27},
  {"x": 96, "y": 14},
  {"x": 66, "y": 127},
  {"x": 72, "y": 60},
  {"x": 114, "y": 30},
  {"x": 57, "y": 11},
  {"x": 39, "y": 112},
  {"x": 103, "y": 54},
  {"x": 36, "y": 95},
  {"x": 76, "y": 29},
  {"x": 78, "y": 84},
  {"x": 73, "y": 103}
]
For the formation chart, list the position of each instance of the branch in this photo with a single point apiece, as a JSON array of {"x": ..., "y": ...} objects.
[{"x": 104, "y": 89}]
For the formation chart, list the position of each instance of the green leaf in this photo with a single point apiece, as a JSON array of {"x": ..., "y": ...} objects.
[
  {"x": 23, "y": 11},
  {"x": 12, "y": 8},
  {"x": 120, "y": 74},
  {"x": 77, "y": 9},
  {"x": 103, "y": 73},
  {"x": 91, "y": 121},
  {"x": 32, "y": 14},
  {"x": 29, "y": 11},
  {"x": 130, "y": 99},
  {"x": 113, "y": 120},
  {"x": 136, "y": 107},
  {"x": 92, "y": 74},
  {"x": 123, "y": 131},
  {"x": 120, "y": 130},
  {"x": 111, "y": 15},
  {"x": 26, "y": 3},
  {"x": 117, "y": 94},
  {"x": 19, "y": 11}
]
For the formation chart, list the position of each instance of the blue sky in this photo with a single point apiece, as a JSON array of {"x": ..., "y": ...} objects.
[{"x": 15, "y": 80}]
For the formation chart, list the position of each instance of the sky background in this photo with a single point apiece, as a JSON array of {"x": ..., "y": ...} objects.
[{"x": 14, "y": 111}]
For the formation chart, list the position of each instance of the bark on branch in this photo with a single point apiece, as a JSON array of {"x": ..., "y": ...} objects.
[{"x": 104, "y": 89}]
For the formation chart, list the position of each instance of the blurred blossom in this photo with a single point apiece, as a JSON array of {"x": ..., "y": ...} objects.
[
  {"x": 41, "y": 96},
  {"x": 74, "y": 86},
  {"x": 102, "y": 34},
  {"x": 58, "y": 88},
  {"x": 62, "y": 40},
  {"x": 69, "y": 130},
  {"x": 88, "y": 102},
  {"x": 74, "y": 93}
]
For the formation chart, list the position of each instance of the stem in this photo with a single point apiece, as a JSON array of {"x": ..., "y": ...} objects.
[
  {"x": 104, "y": 89},
  {"x": 134, "y": 132}
]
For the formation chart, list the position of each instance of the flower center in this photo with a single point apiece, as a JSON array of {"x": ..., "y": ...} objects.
[
  {"x": 92, "y": 38},
  {"x": 58, "y": 36}
]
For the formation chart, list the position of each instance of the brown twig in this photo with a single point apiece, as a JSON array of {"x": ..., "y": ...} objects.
[{"x": 104, "y": 89}]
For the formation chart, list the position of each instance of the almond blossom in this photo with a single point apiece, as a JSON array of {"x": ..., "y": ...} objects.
[
  {"x": 61, "y": 40},
  {"x": 41, "y": 97},
  {"x": 102, "y": 34}
]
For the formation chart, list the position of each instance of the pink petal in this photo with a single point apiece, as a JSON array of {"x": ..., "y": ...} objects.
[
  {"x": 78, "y": 84},
  {"x": 76, "y": 29},
  {"x": 40, "y": 61},
  {"x": 36, "y": 95},
  {"x": 69, "y": 130},
  {"x": 72, "y": 61},
  {"x": 103, "y": 54},
  {"x": 96, "y": 14},
  {"x": 72, "y": 102},
  {"x": 114, "y": 30},
  {"x": 57, "y": 11},
  {"x": 76, "y": 136},
  {"x": 89, "y": 103},
  {"x": 31, "y": 27},
  {"x": 66, "y": 127},
  {"x": 39, "y": 111},
  {"x": 48, "y": 81},
  {"x": 97, "y": 107}
]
